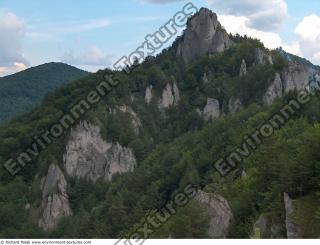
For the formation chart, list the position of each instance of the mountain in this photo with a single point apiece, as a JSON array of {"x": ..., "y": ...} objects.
[
  {"x": 22, "y": 91},
  {"x": 223, "y": 118}
]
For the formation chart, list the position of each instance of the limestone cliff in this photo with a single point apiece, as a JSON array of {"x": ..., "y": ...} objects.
[
  {"x": 292, "y": 228},
  {"x": 234, "y": 105},
  {"x": 211, "y": 110},
  {"x": 148, "y": 94},
  {"x": 170, "y": 96},
  {"x": 135, "y": 120},
  {"x": 89, "y": 157},
  {"x": 274, "y": 91},
  {"x": 55, "y": 203}
]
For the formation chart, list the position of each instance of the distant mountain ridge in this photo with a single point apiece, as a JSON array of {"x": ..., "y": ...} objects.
[{"x": 21, "y": 91}]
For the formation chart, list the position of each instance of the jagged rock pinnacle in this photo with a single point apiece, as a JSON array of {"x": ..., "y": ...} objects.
[{"x": 204, "y": 36}]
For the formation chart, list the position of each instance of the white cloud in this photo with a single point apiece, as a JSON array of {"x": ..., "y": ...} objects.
[
  {"x": 316, "y": 57},
  {"x": 15, "y": 67},
  {"x": 239, "y": 24},
  {"x": 292, "y": 48},
  {"x": 309, "y": 28},
  {"x": 12, "y": 30},
  {"x": 91, "y": 59},
  {"x": 308, "y": 32},
  {"x": 264, "y": 15},
  {"x": 84, "y": 26}
]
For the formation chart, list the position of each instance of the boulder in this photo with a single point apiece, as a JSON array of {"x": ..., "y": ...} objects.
[{"x": 219, "y": 212}]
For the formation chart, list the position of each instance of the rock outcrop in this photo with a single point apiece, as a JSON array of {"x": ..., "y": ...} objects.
[
  {"x": 274, "y": 91},
  {"x": 292, "y": 228},
  {"x": 267, "y": 228},
  {"x": 135, "y": 120},
  {"x": 219, "y": 212},
  {"x": 296, "y": 77},
  {"x": 55, "y": 203},
  {"x": 243, "y": 68},
  {"x": 170, "y": 96},
  {"x": 234, "y": 105},
  {"x": 263, "y": 58},
  {"x": 204, "y": 36},
  {"x": 205, "y": 78},
  {"x": 212, "y": 110},
  {"x": 148, "y": 94},
  {"x": 89, "y": 157}
]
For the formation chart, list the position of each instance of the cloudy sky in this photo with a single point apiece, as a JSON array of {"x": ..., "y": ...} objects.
[{"x": 93, "y": 34}]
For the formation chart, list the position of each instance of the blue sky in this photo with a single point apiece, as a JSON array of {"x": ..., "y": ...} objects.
[{"x": 93, "y": 34}]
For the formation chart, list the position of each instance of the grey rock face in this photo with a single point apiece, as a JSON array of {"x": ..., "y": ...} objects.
[
  {"x": 234, "y": 105},
  {"x": 120, "y": 160},
  {"x": 267, "y": 228},
  {"x": 219, "y": 212},
  {"x": 274, "y": 91},
  {"x": 176, "y": 93},
  {"x": 205, "y": 78},
  {"x": 296, "y": 77},
  {"x": 211, "y": 110},
  {"x": 292, "y": 228},
  {"x": 55, "y": 203},
  {"x": 148, "y": 94},
  {"x": 204, "y": 36},
  {"x": 263, "y": 58},
  {"x": 89, "y": 157},
  {"x": 135, "y": 120},
  {"x": 243, "y": 68},
  {"x": 170, "y": 96}
]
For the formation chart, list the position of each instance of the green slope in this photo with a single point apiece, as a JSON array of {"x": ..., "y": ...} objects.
[{"x": 22, "y": 91}]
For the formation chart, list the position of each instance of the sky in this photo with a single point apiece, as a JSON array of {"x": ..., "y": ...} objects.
[{"x": 94, "y": 34}]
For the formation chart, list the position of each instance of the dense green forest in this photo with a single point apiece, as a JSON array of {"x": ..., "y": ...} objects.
[
  {"x": 173, "y": 151},
  {"x": 22, "y": 91}
]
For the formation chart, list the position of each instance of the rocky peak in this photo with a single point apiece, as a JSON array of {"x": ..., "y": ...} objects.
[{"x": 204, "y": 36}]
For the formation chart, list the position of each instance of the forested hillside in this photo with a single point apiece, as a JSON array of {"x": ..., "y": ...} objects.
[
  {"x": 22, "y": 91},
  {"x": 163, "y": 128}
]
